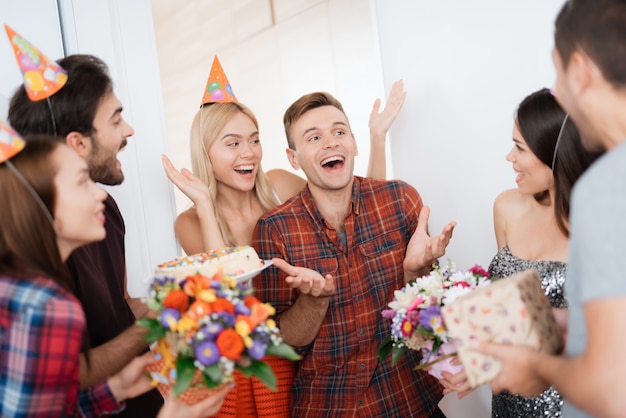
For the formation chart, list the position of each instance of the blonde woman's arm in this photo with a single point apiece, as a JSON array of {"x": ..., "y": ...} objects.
[
  {"x": 197, "y": 229},
  {"x": 379, "y": 125}
]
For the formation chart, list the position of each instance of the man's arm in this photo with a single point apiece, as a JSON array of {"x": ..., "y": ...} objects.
[
  {"x": 302, "y": 321},
  {"x": 592, "y": 381},
  {"x": 111, "y": 357},
  {"x": 423, "y": 250}
]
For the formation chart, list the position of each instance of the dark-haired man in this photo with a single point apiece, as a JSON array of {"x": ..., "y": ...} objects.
[{"x": 88, "y": 114}]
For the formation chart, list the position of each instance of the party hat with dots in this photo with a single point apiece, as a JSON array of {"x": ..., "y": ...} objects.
[
  {"x": 217, "y": 88},
  {"x": 42, "y": 77},
  {"x": 10, "y": 142}
]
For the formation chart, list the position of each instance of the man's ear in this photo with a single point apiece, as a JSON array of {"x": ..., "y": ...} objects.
[
  {"x": 581, "y": 71},
  {"x": 80, "y": 143},
  {"x": 291, "y": 156},
  {"x": 356, "y": 147}
]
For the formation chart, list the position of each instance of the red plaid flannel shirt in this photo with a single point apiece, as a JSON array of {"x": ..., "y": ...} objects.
[
  {"x": 340, "y": 374},
  {"x": 41, "y": 329}
]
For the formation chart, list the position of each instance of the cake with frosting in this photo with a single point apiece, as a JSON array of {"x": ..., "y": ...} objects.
[{"x": 233, "y": 261}]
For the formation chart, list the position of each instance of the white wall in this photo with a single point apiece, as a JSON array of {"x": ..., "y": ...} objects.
[
  {"x": 45, "y": 34},
  {"x": 310, "y": 45},
  {"x": 121, "y": 33},
  {"x": 466, "y": 66}
]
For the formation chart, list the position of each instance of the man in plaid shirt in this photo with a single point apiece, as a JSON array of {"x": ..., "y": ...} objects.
[{"x": 354, "y": 241}]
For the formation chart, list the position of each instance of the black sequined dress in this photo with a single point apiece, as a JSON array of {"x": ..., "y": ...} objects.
[{"x": 552, "y": 274}]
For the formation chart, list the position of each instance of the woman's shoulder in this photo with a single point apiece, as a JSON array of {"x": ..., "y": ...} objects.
[
  {"x": 285, "y": 184},
  {"x": 511, "y": 201},
  {"x": 35, "y": 292}
]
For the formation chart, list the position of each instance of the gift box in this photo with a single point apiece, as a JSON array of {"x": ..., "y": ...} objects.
[{"x": 513, "y": 310}]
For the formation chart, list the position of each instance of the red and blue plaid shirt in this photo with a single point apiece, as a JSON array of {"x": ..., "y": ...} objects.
[
  {"x": 41, "y": 332},
  {"x": 340, "y": 374}
]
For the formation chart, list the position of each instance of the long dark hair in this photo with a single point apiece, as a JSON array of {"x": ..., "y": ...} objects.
[
  {"x": 539, "y": 119},
  {"x": 28, "y": 241}
]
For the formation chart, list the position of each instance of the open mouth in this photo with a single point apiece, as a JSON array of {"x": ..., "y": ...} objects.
[
  {"x": 245, "y": 169},
  {"x": 333, "y": 162}
]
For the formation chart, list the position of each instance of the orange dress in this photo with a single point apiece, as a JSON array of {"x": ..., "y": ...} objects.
[{"x": 250, "y": 397}]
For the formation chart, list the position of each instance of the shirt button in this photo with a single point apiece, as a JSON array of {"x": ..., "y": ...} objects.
[
  {"x": 362, "y": 365},
  {"x": 362, "y": 332},
  {"x": 360, "y": 401},
  {"x": 358, "y": 298}
]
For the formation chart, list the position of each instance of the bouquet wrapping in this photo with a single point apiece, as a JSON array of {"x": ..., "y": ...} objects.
[
  {"x": 206, "y": 328},
  {"x": 514, "y": 310},
  {"x": 416, "y": 316}
]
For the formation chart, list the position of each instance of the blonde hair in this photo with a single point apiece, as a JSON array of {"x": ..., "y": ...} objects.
[{"x": 205, "y": 128}]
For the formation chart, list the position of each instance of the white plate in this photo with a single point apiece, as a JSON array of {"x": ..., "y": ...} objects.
[{"x": 249, "y": 275}]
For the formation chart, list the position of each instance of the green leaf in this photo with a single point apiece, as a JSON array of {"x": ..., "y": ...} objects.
[
  {"x": 156, "y": 330},
  {"x": 385, "y": 348},
  {"x": 282, "y": 350},
  {"x": 213, "y": 376},
  {"x": 262, "y": 371},
  {"x": 184, "y": 373},
  {"x": 245, "y": 370},
  {"x": 397, "y": 353},
  {"x": 147, "y": 322}
]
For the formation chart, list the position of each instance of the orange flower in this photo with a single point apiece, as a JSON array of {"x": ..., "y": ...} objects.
[
  {"x": 199, "y": 309},
  {"x": 195, "y": 284},
  {"x": 258, "y": 314},
  {"x": 176, "y": 299},
  {"x": 250, "y": 301},
  {"x": 222, "y": 305},
  {"x": 230, "y": 344}
]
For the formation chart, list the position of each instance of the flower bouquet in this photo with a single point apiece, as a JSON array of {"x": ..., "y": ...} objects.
[
  {"x": 416, "y": 319},
  {"x": 205, "y": 329}
]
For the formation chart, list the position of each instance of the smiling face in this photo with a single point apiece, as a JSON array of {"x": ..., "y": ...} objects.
[
  {"x": 79, "y": 207},
  {"x": 324, "y": 148},
  {"x": 236, "y": 153},
  {"x": 110, "y": 137},
  {"x": 533, "y": 176}
]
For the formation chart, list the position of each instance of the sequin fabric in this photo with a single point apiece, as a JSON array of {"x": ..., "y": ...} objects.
[{"x": 552, "y": 274}]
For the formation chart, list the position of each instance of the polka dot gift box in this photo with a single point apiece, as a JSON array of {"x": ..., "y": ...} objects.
[{"x": 513, "y": 310}]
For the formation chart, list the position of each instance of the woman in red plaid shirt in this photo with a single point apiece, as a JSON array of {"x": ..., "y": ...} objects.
[{"x": 49, "y": 207}]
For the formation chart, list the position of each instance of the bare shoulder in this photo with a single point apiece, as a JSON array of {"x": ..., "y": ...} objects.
[
  {"x": 285, "y": 183},
  {"x": 188, "y": 231},
  {"x": 187, "y": 218},
  {"x": 510, "y": 201}
]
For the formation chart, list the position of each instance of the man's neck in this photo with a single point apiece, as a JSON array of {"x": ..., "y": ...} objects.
[{"x": 334, "y": 205}]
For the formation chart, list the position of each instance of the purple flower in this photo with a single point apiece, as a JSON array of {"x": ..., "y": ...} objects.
[
  {"x": 212, "y": 330},
  {"x": 257, "y": 350},
  {"x": 242, "y": 309},
  {"x": 169, "y": 316},
  {"x": 389, "y": 313},
  {"x": 207, "y": 353},
  {"x": 428, "y": 314}
]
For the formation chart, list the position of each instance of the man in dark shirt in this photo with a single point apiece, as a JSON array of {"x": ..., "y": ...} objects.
[{"x": 87, "y": 113}]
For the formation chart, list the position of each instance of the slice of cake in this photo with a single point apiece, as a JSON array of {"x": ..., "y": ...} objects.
[{"x": 231, "y": 260}]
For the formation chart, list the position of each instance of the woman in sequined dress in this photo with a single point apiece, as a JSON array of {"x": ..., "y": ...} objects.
[{"x": 531, "y": 221}]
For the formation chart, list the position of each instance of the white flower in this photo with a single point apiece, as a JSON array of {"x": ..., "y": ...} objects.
[
  {"x": 403, "y": 298},
  {"x": 453, "y": 292},
  {"x": 430, "y": 285}
]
